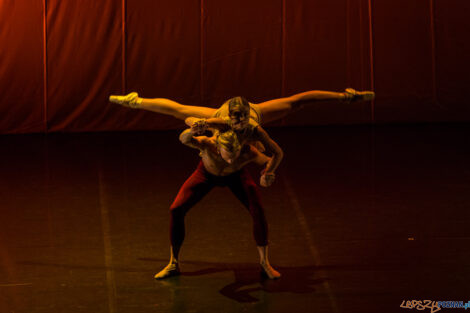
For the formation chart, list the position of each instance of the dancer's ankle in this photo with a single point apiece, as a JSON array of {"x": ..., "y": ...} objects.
[{"x": 138, "y": 103}]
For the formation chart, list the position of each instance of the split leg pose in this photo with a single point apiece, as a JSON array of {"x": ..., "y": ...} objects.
[
  {"x": 267, "y": 111},
  {"x": 243, "y": 117},
  {"x": 222, "y": 164}
]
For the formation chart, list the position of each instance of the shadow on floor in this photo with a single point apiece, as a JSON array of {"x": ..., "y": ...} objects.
[{"x": 249, "y": 279}]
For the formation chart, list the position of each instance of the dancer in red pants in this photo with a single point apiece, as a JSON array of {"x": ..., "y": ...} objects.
[{"x": 222, "y": 164}]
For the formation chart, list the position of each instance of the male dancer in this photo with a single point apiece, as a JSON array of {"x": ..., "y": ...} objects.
[
  {"x": 245, "y": 127},
  {"x": 222, "y": 164}
]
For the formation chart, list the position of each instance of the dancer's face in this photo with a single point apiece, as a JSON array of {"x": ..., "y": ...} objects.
[
  {"x": 228, "y": 156},
  {"x": 239, "y": 119}
]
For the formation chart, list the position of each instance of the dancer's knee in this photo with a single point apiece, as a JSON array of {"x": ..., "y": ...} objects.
[
  {"x": 177, "y": 212},
  {"x": 253, "y": 196}
]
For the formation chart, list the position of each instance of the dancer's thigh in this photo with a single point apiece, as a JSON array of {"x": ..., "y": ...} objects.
[
  {"x": 197, "y": 111},
  {"x": 275, "y": 110}
]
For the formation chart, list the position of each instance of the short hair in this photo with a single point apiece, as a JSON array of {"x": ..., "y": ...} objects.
[
  {"x": 238, "y": 104},
  {"x": 229, "y": 141}
]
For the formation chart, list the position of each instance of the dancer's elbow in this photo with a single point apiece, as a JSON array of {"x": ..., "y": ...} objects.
[{"x": 185, "y": 136}]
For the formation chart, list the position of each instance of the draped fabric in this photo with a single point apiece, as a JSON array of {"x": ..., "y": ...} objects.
[
  {"x": 60, "y": 59},
  {"x": 21, "y": 67}
]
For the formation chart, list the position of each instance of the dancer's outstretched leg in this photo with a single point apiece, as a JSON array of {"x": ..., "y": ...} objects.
[
  {"x": 270, "y": 110},
  {"x": 278, "y": 108},
  {"x": 163, "y": 106}
]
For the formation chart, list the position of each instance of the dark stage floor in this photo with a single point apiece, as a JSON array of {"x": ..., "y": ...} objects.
[{"x": 360, "y": 219}]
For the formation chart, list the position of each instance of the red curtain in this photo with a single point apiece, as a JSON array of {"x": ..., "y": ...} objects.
[
  {"x": 59, "y": 60},
  {"x": 327, "y": 47},
  {"x": 83, "y": 64},
  {"x": 21, "y": 67}
]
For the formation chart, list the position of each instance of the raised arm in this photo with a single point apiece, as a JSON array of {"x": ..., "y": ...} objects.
[
  {"x": 189, "y": 137},
  {"x": 212, "y": 123}
]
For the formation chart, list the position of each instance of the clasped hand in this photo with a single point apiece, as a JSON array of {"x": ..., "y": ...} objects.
[
  {"x": 199, "y": 127},
  {"x": 267, "y": 179}
]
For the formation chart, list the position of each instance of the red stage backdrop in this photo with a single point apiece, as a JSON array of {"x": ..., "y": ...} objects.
[{"x": 60, "y": 59}]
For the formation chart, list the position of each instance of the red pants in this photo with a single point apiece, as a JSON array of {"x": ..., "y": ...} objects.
[{"x": 199, "y": 184}]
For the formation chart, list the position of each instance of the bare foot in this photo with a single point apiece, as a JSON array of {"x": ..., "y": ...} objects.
[
  {"x": 170, "y": 270},
  {"x": 270, "y": 271}
]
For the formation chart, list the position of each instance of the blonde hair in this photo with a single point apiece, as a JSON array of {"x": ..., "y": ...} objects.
[
  {"x": 229, "y": 141},
  {"x": 238, "y": 104}
]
